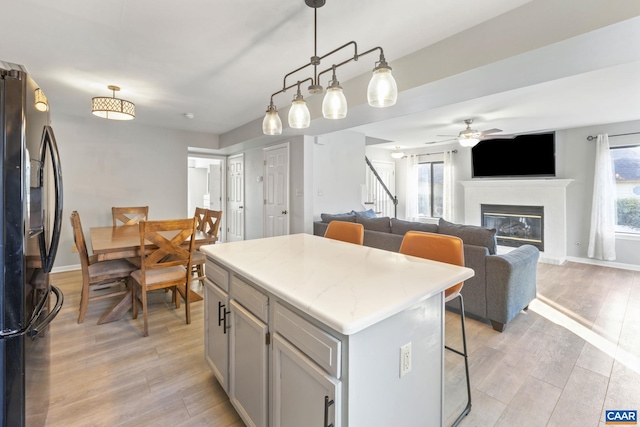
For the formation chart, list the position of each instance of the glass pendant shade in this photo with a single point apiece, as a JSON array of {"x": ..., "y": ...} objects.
[
  {"x": 382, "y": 91},
  {"x": 334, "y": 104},
  {"x": 272, "y": 125},
  {"x": 299, "y": 116}
]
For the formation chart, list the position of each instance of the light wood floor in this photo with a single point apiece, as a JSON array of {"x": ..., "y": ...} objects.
[{"x": 574, "y": 354}]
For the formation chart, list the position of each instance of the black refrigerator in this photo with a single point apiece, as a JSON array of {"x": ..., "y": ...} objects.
[{"x": 31, "y": 188}]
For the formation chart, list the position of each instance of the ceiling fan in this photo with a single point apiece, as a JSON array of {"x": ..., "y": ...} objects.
[{"x": 470, "y": 137}]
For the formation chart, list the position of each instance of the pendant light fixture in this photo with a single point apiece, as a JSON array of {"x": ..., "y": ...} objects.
[
  {"x": 334, "y": 104},
  {"x": 272, "y": 125},
  {"x": 299, "y": 116},
  {"x": 113, "y": 108},
  {"x": 381, "y": 92}
]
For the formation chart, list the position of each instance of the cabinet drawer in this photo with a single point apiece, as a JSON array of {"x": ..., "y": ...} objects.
[
  {"x": 217, "y": 274},
  {"x": 318, "y": 345},
  {"x": 250, "y": 298}
]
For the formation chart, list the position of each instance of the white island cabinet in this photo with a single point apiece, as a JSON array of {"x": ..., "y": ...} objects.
[{"x": 306, "y": 331}]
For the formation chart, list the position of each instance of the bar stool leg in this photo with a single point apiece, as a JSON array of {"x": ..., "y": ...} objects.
[{"x": 464, "y": 353}]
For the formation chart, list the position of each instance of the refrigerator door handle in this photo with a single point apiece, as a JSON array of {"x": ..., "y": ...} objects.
[
  {"x": 48, "y": 255},
  {"x": 34, "y": 331}
]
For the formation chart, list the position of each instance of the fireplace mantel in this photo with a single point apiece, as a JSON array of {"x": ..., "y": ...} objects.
[
  {"x": 519, "y": 183},
  {"x": 549, "y": 193}
]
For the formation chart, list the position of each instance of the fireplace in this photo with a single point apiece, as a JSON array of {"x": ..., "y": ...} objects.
[{"x": 515, "y": 225}]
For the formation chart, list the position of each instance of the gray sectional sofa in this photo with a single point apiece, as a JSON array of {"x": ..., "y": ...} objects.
[{"x": 503, "y": 284}]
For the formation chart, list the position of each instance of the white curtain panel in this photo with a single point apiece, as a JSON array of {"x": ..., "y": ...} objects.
[
  {"x": 412, "y": 188},
  {"x": 447, "y": 189},
  {"x": 602, "y": 239}
]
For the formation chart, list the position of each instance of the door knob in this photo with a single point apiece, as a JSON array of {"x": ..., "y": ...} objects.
[
  {"x": 240, "y": 207},
  {"x": 284, "y": 212}
]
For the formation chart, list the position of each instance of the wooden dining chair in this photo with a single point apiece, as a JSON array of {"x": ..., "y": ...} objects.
[
  {"x": 200, "y": 215},
  {"x": 447, "y": 249},
  {"x": 350, "y": 232},
  {"x": 98, "y": 276},
  {"x": 129, "y": 215},
  {"x": 165, "y": 263},
  {"x": 211, "y": 226}
]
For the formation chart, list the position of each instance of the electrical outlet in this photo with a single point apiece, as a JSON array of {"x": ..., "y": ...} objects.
[{"x": 405, "y": 359}]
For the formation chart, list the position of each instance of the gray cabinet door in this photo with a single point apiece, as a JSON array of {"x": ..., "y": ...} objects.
[
  {"x": 216, "y": 339},
  {"x": 301, "y": 389},
  {"x": 248, "y": 366}
]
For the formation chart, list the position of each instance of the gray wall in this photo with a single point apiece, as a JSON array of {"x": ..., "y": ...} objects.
[{"x": 109, "y": 163}]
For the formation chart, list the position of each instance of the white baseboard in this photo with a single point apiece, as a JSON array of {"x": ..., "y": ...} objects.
[
  {"x": 66, "y": 268},
  {"x": 611, "y": 264}
]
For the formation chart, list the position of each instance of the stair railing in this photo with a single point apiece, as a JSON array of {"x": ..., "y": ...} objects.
[{"x": 393, "y": 198}]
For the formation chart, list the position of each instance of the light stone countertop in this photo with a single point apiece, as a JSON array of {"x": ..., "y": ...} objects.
[{"x": 344, "y": 286}]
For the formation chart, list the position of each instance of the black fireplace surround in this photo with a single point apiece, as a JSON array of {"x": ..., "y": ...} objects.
[{"x": 515, "y": 225}]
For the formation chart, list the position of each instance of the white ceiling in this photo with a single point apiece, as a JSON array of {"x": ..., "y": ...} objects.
[{"x": 221, "y": 61}]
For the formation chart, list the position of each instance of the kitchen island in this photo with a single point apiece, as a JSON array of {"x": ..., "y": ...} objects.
[{"x": 303, "y": 330}]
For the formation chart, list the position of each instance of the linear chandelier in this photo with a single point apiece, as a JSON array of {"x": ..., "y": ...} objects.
[
  {"x": 113, "y": 108},
  {"x": 382, "y": 90}
]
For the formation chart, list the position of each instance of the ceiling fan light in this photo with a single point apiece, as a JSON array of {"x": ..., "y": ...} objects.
[
  {"x": 272, "y": 125},
  {"x": 382, "y": 91},
  {"x": 468, "y": 142},
  {"x": 334, "y": 104},
  {"x": 299, "y": 116}
]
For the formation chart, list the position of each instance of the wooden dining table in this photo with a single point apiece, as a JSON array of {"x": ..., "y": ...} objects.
[{"x": 123, "y": 242}]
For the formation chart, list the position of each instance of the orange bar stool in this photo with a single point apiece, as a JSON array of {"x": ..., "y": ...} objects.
[
  {"x": 448, "y": 249},
  {"x": 349, "y": 232}
]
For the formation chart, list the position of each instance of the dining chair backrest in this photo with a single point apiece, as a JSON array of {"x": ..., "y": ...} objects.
[
  {"x": 350, "y": 232},
  {"x": 129, "y": 215},
  {"x": 78, "y": 238},
  {"x": 437, "y": 247},
  {"x": 162, "y": 244},
  {"x": 201, "y": 215},
  {"x": 212, "y": 223}
]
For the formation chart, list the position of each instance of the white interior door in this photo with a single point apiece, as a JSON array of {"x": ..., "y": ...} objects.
[
  {"x": 276, "y": 190},
  {"x": 235, "y": 198}
]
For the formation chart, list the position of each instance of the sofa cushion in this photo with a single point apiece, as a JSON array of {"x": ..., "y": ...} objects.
[
  {"x": 365, "y": 214},
  {"x": 471, "y": 234},
  {"x": 348, "y": 217},
  {"x": 375, "y": 224},
  {"x": 399, "y": 226}
]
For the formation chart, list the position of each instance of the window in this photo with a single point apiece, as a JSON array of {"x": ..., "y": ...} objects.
[
  {"x": 626, "y": 168},
  {"x": 430, "y": 189}
]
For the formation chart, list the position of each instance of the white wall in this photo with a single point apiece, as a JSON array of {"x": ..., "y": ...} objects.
[
  {"x": 109, "y": 163},
  {"x": 338, "y": 172}
]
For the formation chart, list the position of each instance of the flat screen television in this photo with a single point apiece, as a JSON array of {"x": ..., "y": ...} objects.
[{"x": 532, "y": 155}]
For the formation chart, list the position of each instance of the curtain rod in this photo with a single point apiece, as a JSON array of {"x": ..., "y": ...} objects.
[
  {"x": 591, "y": 138},
  {"x": 440, "y": 152}
]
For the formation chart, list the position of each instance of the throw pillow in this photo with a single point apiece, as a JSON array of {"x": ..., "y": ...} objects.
[
  {"x": 365, "y": 214},
  {"x": 375, "y": 224},
  {"x": 348, "y": 217},
  {"x": 401, "y": 227},
  {"x": 471, "y": 234}
]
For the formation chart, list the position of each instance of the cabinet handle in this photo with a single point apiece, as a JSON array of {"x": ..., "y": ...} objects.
[
  {"x": 327, "y": 403},
  {"x": 225, "y": 327},
  {"x": 220, "y": 309}
]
